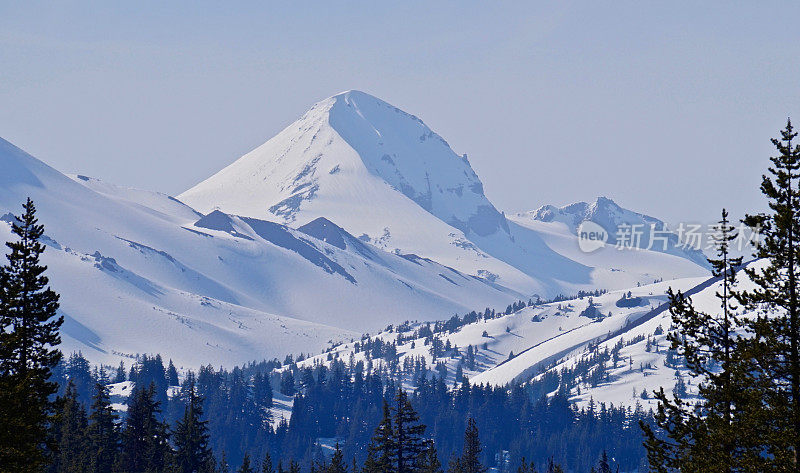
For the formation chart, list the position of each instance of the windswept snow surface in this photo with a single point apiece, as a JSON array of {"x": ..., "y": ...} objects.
[
  {"x": 385, "y": 177},
  {"x": 141, "y": 272}
]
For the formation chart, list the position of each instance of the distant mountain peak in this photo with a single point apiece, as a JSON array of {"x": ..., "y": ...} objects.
[
  {"x": 336, "y": 152},
  {"x": 613, "y": 218}
]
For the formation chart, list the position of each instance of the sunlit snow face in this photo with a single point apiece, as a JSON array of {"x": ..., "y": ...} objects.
[{"x": 591, "y": 236}]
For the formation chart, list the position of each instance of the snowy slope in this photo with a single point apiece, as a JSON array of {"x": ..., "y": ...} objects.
[
  {"x": 142, "y": 272},
  {"x": 521, "y": 346},
  {"x": 384, "y": 176},
  {"x": 642, "y": 369},
  {"x": 624, "y": 227},
  {"x": 538, "y": 340}
]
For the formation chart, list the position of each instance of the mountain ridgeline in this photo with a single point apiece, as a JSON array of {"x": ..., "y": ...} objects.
[{"x": 354, "y": 217}]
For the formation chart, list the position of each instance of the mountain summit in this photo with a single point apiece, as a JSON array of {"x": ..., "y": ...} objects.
[
  {"x": 613, "y": 218},
  {"x": 382, "y": 175},
  {"x": 359, "y": 152}
]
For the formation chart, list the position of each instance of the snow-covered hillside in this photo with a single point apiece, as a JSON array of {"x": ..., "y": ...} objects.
[
  {"x": 604, "y": 348},
  {"x": 141, "y": 272},
  {"x": 384, "y": 176},
  {"x": 352, "y": 218}
]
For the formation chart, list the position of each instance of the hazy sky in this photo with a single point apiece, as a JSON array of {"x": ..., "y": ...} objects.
[{"x": 666, "y": 107}]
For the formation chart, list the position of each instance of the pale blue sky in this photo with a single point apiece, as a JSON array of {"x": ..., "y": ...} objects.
[{"x": 666, "y": 107}]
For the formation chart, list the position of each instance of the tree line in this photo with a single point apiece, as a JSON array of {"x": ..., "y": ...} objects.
[
  {"x": 220, "y": 417},
  {"x": 747, "y": 417}
]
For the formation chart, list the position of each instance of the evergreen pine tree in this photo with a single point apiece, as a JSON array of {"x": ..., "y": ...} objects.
[
  {"x": 775, "y": 333},
  {"x": 430, "y": 460},
  {"x": 103, "y": 434},
  {"x": 525, "y": 467},
  {"x": 172, "y": 375},
  {"x": 120, "y": 375},
  {"x": 70, "y": 430},
  {"x": 381, "y": 446},
  {"x": 145, "y": 445},
  {"x": 223, "y": 466},
  {"x": 455, "y": 465},
  {"x": 266, "y": 464},
  {"x": 553, "y": 467},
  {"x": 28, "y": 334},
  {"x": 337, "y": 464},
  {"x": 709, "y": 435},
  {"x": 470, "y": 456},
  {"x": 603, "y": 466},
  {"x": 191, "y": 436},
  {"x": 245, "y": 466},
  {"x": 407, "y": 435}
]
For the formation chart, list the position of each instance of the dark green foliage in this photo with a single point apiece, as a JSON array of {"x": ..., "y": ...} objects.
[
  {"x": 774, "y": 345},
  {"x": 120, "y": 375},
  {"x": 407, "y": 435},
  {"x": 172, "y": 374},
  {"x": 381, "y": 447},
  {"x": 145, "y": 445},
  {"x": 749, "y": 416},
  {"x": 603, "y": 466},
  {"x": 266, "y": 464},
  {"x": 102, "y": 433},
  {"x": 525, "y": 467},
  {"x": 346, "y": 404},
  {"x": 429, "y": 461},
  {"x": 469, "y": 461},
  {"x": 28, "y": 334},
  {"x": 192, "y": 454},
  {"x": 711, "y": 434},
  {"x": 287, "y": 383},
  {"x": 224, "y": 467},
  {"x": 69, "y": 429},
  {"x": 78, "y": 372},
  {"x": 553, "y": 467}
]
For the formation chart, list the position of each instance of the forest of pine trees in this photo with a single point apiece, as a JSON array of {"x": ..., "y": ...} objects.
[{"x": 57, "y": 416}]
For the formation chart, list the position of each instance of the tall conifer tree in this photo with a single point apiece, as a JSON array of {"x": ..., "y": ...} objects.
[
  {"x": 145, "y": 445},
  {"x": 381, "y": 446},
  {"x": 28, "y": 334},
  {"x": 707, "y": 435},
  {"x": 470, "y": 456},
  {"x": 102, "y": 432},
  {"x": 192, "y": 454},
  {"x": 775, "y": 333},
  {"x": 408, "y": 431},
  {"x": 71, "y": 455}
]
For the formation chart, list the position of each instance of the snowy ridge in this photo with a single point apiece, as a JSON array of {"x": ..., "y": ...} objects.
[
  {"x": 384, "y": 176},
  {"x": 614, "y": 344},
  {"x": 140, "y": 272},
  {"x": 354, "y": 217},
  {"x": 619, "y": 223}
]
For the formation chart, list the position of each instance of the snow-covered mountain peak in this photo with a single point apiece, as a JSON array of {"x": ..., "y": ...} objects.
[
  {"x": 351, "y": 148},
  {"x": 636, "y": 229},
  {"x": 573, "y": 214}
]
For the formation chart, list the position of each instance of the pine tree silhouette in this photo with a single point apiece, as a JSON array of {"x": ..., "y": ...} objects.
[{"x": 28, "y": 334}]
